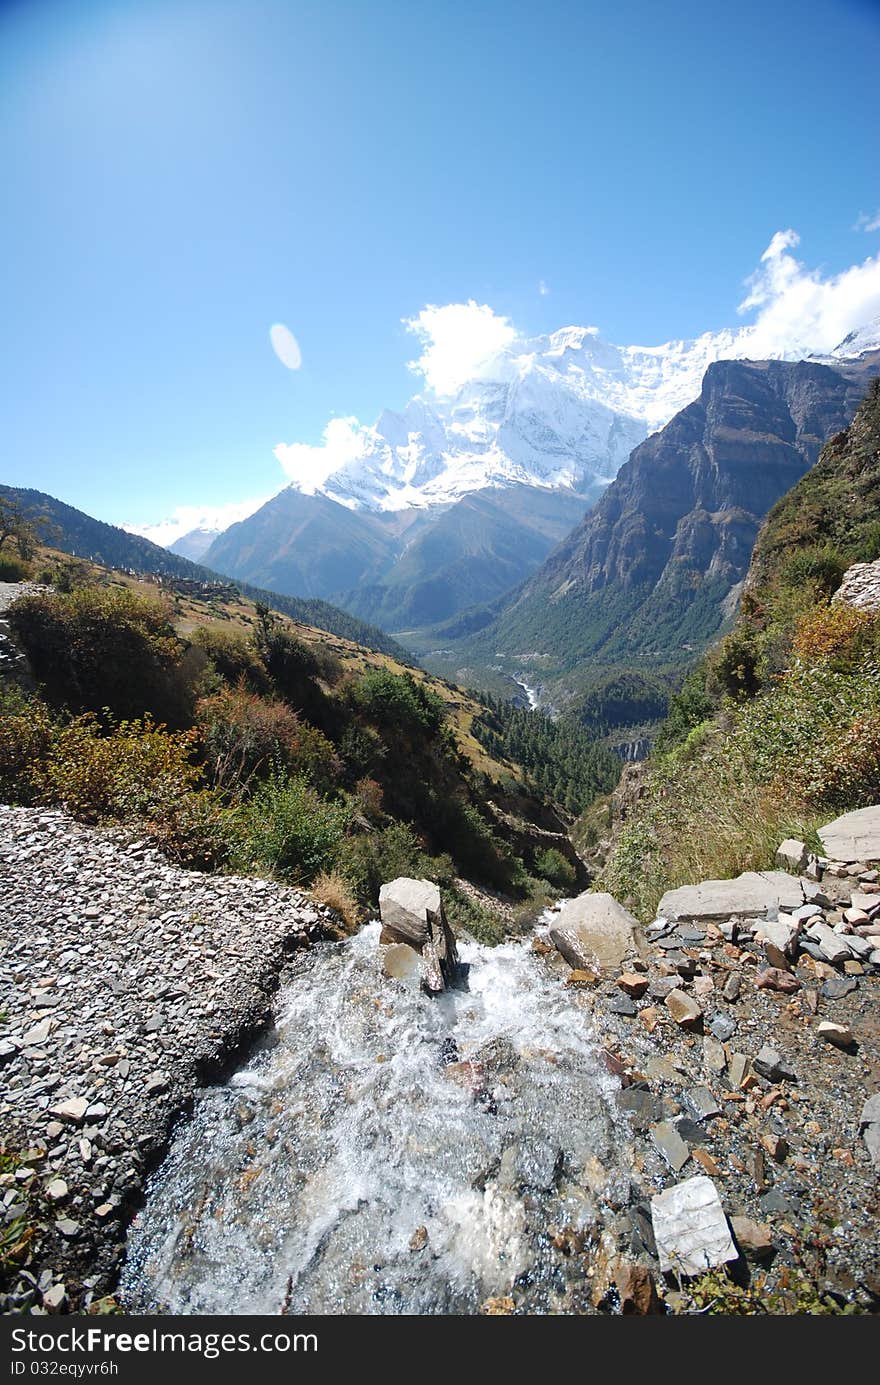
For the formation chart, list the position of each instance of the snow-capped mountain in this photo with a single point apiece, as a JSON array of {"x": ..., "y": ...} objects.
[
  {"x": 562, "y": 410},
  {"x": 863, "y": 339},
  {"x": 191, "y": 529}
]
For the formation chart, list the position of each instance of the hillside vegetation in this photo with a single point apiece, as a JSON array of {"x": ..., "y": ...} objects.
[
  {"x": 242, "y": 741},
  {"x": 779, "y": 725},
  {"x": 80, "y": 536}
]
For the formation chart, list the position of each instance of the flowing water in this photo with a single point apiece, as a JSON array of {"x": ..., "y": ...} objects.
[{"x": 385, "y": 1152}]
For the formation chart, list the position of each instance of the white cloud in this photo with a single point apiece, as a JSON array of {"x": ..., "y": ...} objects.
[
  {"x": 864, "y": 222},
  {"x": 345, "y": 441},
  {"x": 460, "y": 342},
  {"x": 188, "y": 517},
  {"x": 542, "y": 288},
  {"x": 285, "y": 346},
  {"x": 799, "y": 310}
]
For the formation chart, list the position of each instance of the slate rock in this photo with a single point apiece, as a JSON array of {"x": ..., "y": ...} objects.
[
  {"x": 748, "y": 896},
  {"x": 670, "y": 1144},
  {"x": 853, "y": 836},
  {"x": 771, "y": 1064}
]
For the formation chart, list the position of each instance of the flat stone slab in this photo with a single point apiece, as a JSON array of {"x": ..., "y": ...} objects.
[
  {"x": 690, "y": 1227},
  {"x": 594, "y": 930},
  {"x": 748, "y": 896},
  {"x": 854, "y": 836}
]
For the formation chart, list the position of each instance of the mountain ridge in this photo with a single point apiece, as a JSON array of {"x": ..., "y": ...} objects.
[{"x": 79, "y": 534}]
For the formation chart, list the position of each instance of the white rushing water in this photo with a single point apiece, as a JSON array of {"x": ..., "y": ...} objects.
[{"x": 385, "y": 1152}]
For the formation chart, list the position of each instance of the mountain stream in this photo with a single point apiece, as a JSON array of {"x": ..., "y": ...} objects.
[{"x": 384, "y": 1152}]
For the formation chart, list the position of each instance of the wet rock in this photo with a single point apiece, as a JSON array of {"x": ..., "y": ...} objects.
[
  {"x": 419, "y": 1239},
  {"x": 402, "y": 963},
  {"x": 412, "y": 913},
  {"x": 622, "y": 1005},
  {"x": 690, "y": 1228},
  {"x": 635, "y": 1287},
  {"x": 498, "y": 1307},
  {"x": 530, "y": 1163},
  {"x": 582, "y": 979},
  {"x": 641, "y": 1105},
  {"x": 683, "y": 1009}
]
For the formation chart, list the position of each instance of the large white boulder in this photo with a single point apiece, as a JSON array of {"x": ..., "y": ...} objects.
[{"x": 593, "y": 930}]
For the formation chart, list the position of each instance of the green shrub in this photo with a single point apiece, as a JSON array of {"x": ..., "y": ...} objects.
[
  {"x": 99, "y": 648},
  {"x": 233, "y": 657},
  {"x": 26, "y": 733},
  {"x": 368, "y": 860},
  {"x": 398, "y": 703},
  {"x": 14, "y": 569},
  {"x": 198, "y": 830},
  {"x": 287, "y": 829},
  {"x": 136, "y": 769},
  {"x": 819, "y": 567},
  {"x": 553, "y": 866}
]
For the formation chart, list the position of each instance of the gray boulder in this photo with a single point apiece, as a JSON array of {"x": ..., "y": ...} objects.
[
  {"x": 412, "y": 916},
  {"x": 593, "y": 930},
  {"x": 854, "y": 836},
  {"x": 792, "y": 855},
  {"x": 748, "y": 896}
]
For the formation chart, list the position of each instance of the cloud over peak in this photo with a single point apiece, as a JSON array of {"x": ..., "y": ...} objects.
[
  {"x": 460, "y": 342},
  {"x": 800, "y": 311}
]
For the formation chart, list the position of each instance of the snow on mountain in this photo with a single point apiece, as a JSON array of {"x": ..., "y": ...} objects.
[
  {"x": 564, "y": 409},
  {"x": 191, "y": 529},
  {"x": 863, "y": 339}
]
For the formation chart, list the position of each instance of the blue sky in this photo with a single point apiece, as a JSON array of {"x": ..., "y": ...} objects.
[{"x": 180, "y": 176}]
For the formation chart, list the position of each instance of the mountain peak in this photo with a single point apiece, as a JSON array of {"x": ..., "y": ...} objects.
[{"x": 560, "y": 410}]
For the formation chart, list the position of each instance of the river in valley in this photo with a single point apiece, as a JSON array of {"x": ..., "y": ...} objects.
[{"x": 383, "y": 1152}]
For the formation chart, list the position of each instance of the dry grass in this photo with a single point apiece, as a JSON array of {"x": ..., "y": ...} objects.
[{"x": 334, "y": 891}]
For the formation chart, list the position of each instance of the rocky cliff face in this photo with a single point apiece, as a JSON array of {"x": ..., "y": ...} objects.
[{"x": 655, "y": 567}]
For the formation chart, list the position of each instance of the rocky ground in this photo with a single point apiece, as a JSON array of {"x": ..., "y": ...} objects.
[
  {"x": 743, "y": 1029},
  {"x": 748, "y": 1050},
  {"x": 124, "y": 983}
]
